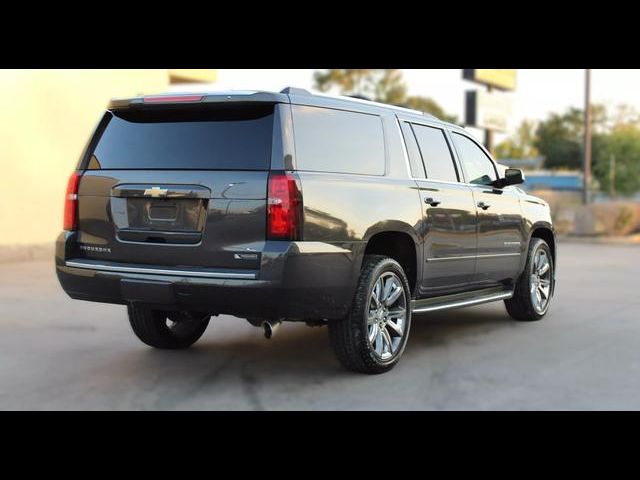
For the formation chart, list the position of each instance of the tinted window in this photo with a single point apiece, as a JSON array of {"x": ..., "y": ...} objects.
[
  {"x": 436, "y": 155},
  {"x": 478, "y": 168},
  {"x": 229, "y": 139},
  {"x": 338, "y": 141},
  {"x": 415, "y": 161}
]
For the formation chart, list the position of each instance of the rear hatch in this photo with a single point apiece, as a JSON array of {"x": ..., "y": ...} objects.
[{"x": 177, "y": 186}]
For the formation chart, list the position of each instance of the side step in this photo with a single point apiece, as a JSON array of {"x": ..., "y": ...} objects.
[{"x": 458, "y": 300}]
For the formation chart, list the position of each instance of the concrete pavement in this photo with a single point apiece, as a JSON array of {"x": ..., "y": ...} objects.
[{"x": 60, "y": 354}]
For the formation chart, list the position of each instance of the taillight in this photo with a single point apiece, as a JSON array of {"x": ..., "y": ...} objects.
[
  {"x": 284, "y": 207},
  {"x": 71, "y": 202}
]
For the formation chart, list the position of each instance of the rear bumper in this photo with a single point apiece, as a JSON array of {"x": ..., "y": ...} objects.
[{"x": 297, "y": 281}]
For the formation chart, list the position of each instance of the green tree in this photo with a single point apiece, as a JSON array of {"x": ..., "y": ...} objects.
[
  {"x": 623, "y": 145},
  {"x": 521, "y": 145},
  {"x": 560, "y": 138},
  {"x": 625, "y": 115},
  {"x": 349, "y": 81},
  {"x": 381, "y": 85},
  {"x": 616, "y": 135},
  {"x": 425, "y": 104}
]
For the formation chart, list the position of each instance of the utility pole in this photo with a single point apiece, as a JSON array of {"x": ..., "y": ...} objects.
[
  {"x": 587, "y": 138},
  {"x": 612, "y": 176}
]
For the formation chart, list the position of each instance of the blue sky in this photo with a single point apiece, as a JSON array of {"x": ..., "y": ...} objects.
[{"x": 539, "y": 91}]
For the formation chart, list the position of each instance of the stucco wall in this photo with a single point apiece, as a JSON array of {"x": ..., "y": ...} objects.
[{"x": 46, "y": 117}]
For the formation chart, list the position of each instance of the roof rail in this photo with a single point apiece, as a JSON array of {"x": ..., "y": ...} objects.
[
  {"x": 356, "y": 98},
  {"x": 295, "y": 91}
]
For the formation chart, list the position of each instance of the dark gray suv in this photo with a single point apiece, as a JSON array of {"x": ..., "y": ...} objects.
[{"x": 297, "y": 207}]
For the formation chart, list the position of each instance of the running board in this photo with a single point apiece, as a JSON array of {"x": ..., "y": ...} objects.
[{"x": 458, "y": 300}]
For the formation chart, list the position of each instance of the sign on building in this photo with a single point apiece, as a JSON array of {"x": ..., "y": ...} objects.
[{"x": 488, "y": 110}]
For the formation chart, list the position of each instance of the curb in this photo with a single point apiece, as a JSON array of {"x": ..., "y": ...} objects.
[
  {"x": 604, "y": 240},
  {"x": 26, "y": 253}
]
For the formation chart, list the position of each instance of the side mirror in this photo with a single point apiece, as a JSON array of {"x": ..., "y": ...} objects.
[{"x": 512, "y": 176}]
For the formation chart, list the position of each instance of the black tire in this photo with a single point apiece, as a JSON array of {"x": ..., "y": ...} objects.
[
  {"x": 166, "y": 330},
  {"x": 520, "y": 307},
  {"x": 349, "y": 336}
]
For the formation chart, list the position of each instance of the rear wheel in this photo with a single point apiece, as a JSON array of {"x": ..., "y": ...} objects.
[
  {"x": 533, "y": 291},
  {"x": 373, "y": 336},
  {"x": 167, "y": 330}
]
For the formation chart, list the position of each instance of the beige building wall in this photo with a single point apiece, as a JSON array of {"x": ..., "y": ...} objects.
[{"x": 46, "y": 118}]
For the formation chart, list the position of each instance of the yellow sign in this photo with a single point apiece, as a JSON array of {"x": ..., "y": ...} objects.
[{"x": 502, "y": 79}]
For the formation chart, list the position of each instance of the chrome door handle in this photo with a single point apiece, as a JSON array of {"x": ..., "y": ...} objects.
[
  {"x": 432, "y": 202},
  {"x": 483, "y": 205}
]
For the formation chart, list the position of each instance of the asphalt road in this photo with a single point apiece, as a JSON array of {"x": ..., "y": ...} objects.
[{"x": 61, "y": 354}]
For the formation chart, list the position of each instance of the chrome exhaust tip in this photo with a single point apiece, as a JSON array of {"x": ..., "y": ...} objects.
[{"x": 270, "y": 328}]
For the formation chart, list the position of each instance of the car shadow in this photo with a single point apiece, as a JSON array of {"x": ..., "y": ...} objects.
[
  {"x": 457, "y": 326},
  {"x": 297, "y": 350}
]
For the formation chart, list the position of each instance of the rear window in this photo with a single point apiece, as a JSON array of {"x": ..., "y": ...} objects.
[
  {"x": 338, "y": 141},
  {"x": 236, "y": 138}
]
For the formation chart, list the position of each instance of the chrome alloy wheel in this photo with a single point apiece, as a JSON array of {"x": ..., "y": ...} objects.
[
  {"x": 387, "y": 316},
  {"x": 541, "y": 281}
]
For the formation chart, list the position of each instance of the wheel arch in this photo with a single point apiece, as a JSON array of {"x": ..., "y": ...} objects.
[
  {"x": 400, "y": 245},
  {"x": 546, "y": 232}
]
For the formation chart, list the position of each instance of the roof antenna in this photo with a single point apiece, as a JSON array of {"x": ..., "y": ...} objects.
[
  {"x": 360, "y": 97},
  {"x": 295, "y": 91}
]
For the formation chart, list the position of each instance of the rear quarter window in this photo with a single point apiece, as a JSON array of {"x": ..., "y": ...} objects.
[
  {"x": 226, "y": 139},
  {"x": 338, "y": 141}
]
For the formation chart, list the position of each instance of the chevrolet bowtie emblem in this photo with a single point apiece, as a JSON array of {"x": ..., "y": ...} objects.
[{"x": 156, "y": 192}]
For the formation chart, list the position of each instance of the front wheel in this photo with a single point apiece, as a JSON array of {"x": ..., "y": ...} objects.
[
  {"x": 167, "y": 330},
  {"x": 373, "y": 336},
  {"x": 532, "y": 295}
]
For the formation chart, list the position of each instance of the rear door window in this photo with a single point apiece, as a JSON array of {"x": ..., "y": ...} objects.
[
  {"x": 436, "y": 155},
  {"x": 228, "y": 139},
  {"x": 338, "y": 141}
]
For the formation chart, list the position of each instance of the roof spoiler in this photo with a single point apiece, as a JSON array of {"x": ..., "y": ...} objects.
[
  {"x": 170, "y": 99},
  {"x": 239, "y": 96}
]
